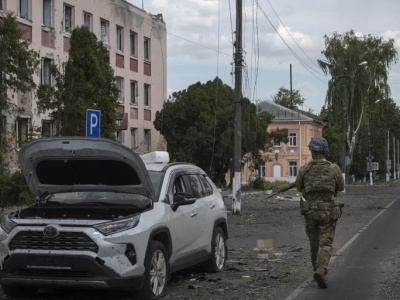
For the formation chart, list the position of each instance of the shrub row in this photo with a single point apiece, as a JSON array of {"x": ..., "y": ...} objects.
[{"x": 14, "y": 191}]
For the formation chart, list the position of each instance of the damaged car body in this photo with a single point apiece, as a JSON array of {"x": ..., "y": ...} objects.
[{"x": 107, "y": 218}]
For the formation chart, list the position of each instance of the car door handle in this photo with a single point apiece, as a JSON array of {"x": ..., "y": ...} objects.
[
  {"x": 194, "y": 213},
  {"x": 212, "y": 206}
]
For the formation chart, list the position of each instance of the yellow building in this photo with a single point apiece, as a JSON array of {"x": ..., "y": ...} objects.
[{"x": 282, "y": 161}]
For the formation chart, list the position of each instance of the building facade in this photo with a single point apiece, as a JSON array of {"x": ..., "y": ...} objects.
[
  {"x": 137, "y": 45},
  {"x": 282, "y": 161}
]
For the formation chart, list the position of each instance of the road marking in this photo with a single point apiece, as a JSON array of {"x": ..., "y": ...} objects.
[{"x": 302, "y": 286}]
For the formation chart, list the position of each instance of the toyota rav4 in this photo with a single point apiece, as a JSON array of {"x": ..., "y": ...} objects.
[{"x": 108, "y": 218}]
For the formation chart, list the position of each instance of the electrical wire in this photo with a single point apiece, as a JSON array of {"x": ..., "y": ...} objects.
[
  {"x": 294, "y": 39},
  {"x": 287, "y": 45}
]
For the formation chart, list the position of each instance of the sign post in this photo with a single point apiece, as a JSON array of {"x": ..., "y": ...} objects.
[{"x": 93, "y": 123}]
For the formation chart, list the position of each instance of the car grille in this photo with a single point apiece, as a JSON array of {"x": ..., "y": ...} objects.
[
  {"x": 70, "y": 241},
  {"x": 53, "y": 273}
]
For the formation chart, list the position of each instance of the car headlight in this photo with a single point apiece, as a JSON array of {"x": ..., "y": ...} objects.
[
  {"x": 7, "y": 224},
  {"x": 117, "y": 226}
]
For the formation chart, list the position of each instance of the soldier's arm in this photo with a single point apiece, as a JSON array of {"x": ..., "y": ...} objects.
[
  {"x": 339, "y": 179},
  {"x": 299, "y": 180}
]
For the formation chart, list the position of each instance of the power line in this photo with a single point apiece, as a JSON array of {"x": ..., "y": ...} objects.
[
  {"x": 199, "y": 44},
  {"x": 294, "y": 39},
  {"x": 287, "y": 45}
]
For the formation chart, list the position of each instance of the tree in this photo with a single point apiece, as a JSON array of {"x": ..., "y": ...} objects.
[
  {"x": 88, "y": 83},
  {"x": 17, "y": 66},
  {"x": 197, "y": 124},
  {"x": 288, "y": 99},
  {"x": 359, "y": 68}
]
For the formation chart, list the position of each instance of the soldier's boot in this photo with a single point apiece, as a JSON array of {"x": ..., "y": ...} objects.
[{"x": 320, "y": 278}]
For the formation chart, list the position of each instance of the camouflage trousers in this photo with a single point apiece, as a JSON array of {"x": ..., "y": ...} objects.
[{"x": 320, "y": 229}]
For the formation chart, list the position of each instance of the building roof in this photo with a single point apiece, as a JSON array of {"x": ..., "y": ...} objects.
[{"x": 284, "y": 114}]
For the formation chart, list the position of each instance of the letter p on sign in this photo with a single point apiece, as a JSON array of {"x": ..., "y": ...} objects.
[{"x": 93, "y": 123}]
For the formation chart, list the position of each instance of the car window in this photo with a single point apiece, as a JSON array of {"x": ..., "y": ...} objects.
[
  {"x": 206, "y": 185},
  {"x": 178, "y": 185},
  {"x": 196, "y": 187}
]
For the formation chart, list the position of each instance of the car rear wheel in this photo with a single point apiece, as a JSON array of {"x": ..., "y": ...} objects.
[
  {"x": 218, "y": 252},
  {"x": 156, "y": 272},
  {"x": 18, "y": 292}
]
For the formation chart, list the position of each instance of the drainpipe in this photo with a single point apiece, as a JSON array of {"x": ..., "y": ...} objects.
[{"x": 300, "y": 143}]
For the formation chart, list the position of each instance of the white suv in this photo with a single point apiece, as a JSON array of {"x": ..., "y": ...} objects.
[{"x": 108, "y": 218}]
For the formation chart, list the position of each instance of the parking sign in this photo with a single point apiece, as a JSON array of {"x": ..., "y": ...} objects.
[{"x": 93, "y": 123}]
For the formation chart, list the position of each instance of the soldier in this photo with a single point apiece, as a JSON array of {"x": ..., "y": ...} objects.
[{"x": 319, "y": 181}]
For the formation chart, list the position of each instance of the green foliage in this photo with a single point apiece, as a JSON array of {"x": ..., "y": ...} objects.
[
  {"x": 17, "y": 66},
  {"x": 288, "y": 99},
  {"x": 197, "y": 124},
  {"x": 88, "y": 83},
  {"x": 279, "y": 135},
  {"x": 14, "y": 191},
  {"x": 262, "y": 184}
]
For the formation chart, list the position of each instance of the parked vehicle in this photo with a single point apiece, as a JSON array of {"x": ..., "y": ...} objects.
[{"x": 107, "y": 218}]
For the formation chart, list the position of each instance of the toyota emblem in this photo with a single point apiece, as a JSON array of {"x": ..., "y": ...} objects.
[{"x": 50, "y": 232}]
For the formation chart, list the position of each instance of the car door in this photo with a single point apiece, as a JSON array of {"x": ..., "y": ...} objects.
[{"x": 183, "y": 223}]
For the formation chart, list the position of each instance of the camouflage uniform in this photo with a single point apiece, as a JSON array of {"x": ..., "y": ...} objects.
[{"x": 319, "y": 181}]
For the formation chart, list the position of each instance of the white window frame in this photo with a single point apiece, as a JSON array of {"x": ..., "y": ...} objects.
[
  {"x": 133, "y": 43},
  {"x": 47, "y": 15},
  {"x": 46, "y": 74},
  {"x": 147, "y": 95},
  {"x": 26, "y": 16},
  {"x": 2, "y": 8},
  {"x": 262, "y": 171},
  {"x": 104, "y": 33},
  {"x": 85, "y": 13},
  {"x": 119, "y": 37},
  {"x": 134, "y": 138},
  {"x": 134, "y": 88},
  {"x": 51, "y": 127},
  {"x": 147, "y": 139},
  {"x": 120, "y": 84},
  {"x": 147, "y": 48},
  {"x": 292, "y": 168},
  {"x": 68, "y": 30},
  {"x": 22, "y": 131},
  {"x": 293, "y": 139},
  {"x": 277, "y": 143}
]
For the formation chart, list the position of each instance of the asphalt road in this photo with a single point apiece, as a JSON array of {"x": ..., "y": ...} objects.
[{"x": 366, "y": 267}]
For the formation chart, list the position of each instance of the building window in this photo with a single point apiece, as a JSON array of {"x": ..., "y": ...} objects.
[
  {"x": 104, "y": 25},
  {"x": 120, "y": 38},
  {"x": 47, "y": 13},
  {"x": 24, "y": 9},
  {"x": 120, "y": 136},
  {"x": 68, "y": 15},
  {"x": 120, "y": 85},
  {"x": 46, "y": 74},
  {"x": 2, "y": 5},
  {"x": 146, "y": 49},
  {"x": 134, "y": 92},
  {"x": 3, "y": 127},
  {"x": 147, "y": 139},
  {"x": 47, "y": 128},
  {"x": 88, "y": 20},
  {"x": 22, "y": 131},
  {"x": 262, "y": 171},
  {"x": 134, "y": 132},
  {"x": 277, "y": 142},
  {"x": 292, "y": 139},
  {"x": 147, "y": 94},
  {"x": 133, "y": 43},
  {"x": 292, "y": 169}
]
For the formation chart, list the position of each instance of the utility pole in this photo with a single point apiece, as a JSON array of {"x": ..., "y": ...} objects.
[
  {"x": 291, "y": 90},
  {"x": 237, "y": 128},
  {"x": 344, "y": 132},
  {"x": 394, "y": 158},
  {"x": 387, "y": 159}
]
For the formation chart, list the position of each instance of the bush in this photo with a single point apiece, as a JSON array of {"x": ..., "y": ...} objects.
[
  {"x": 262, "y": 184},
  {"x": 14, "y": 191}
]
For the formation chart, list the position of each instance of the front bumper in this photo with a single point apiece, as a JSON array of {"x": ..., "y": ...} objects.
[{"x": 31, "y": 270}]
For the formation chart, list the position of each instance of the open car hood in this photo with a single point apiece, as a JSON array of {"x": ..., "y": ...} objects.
[{"x": 54, "y": 165}]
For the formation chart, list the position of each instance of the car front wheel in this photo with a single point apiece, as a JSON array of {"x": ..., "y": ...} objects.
[
  {"x": 218, "y": 252},
  {"x": 156, "y": 272}
]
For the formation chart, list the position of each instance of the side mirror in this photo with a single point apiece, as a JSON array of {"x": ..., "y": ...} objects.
[{"x": 182, "y": 199}]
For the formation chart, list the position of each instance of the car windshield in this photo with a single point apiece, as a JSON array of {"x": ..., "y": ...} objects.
[
  {"x": 156, "y": 178},
  {"x": 98, "y": 198}
]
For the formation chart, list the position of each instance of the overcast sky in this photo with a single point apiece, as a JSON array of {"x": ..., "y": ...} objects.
[{"x": 200, "y": 47}]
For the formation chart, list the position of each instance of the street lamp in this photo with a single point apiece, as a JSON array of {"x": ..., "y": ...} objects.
[{"x": 344, "y": 113}]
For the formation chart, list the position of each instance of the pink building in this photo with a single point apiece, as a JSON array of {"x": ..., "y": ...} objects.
[{"x": 137, "y": 44}]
